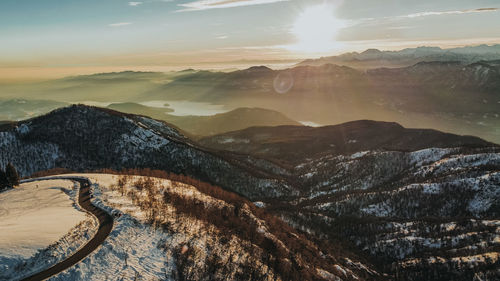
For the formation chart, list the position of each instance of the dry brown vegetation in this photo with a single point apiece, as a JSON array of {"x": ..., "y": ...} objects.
[{"x": 290, "y": 254}]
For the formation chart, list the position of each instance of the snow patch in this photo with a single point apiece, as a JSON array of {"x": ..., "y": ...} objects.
[
  {"x": 144, "y": 139},
  {"x": 359, "y": 154},
  {"x": 23, "y": 129},
  {"x": 259, "y": 204},
  {"x": 380, "y": 210},
  {"x": 43, "y": 208}
]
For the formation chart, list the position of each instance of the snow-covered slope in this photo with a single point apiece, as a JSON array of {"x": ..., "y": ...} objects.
[
  {"x": 36, "y": 216},
  {"x": 415, "y": 204},
  {"x": 390, "y": 191},
  {"x": 82, "y": 138},
  {"x": 431, "y": 214},
  {"x": 178, "y": 246}
]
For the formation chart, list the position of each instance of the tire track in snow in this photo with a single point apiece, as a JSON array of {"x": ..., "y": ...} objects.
[{"x": 105, "y": 227}]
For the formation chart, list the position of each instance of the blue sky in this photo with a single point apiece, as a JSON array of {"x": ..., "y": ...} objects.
[{"x": 156, "y": 32}]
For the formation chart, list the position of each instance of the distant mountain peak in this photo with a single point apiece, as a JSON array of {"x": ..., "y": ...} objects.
[
  {"x": 260, "y": 68},
  {"x": 409, "y": 56},
  {"x": 371, "y": 52},
  {"x": 437, "y": 63}
]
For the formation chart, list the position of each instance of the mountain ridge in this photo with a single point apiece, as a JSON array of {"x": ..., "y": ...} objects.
[
  {"x": 444, "y": 96},
  {"x": 373, "y": 200},
  {"x": 468, "y": 54},
  {"x": 238, "y": 118},
  {"x": 349, "y": 137}
]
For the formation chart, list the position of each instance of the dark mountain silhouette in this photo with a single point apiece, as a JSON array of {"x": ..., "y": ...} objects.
[
  {"x": 297, "y": 143},
  {"x": 233, "y": 120}
]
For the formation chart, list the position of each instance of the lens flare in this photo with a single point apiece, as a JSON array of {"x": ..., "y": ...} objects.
[{"x": 283, "y": 82}]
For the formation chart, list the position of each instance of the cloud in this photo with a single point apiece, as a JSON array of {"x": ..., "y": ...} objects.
[
  {"x": 219, "y": 4},
  {"x": 118, "y": 24},
  {"x": 371, "y": 21},
  {"x": 400, "y": 27},
  {"x": 222, "y": 37},
  {"x": 135, "y": 3},
  {"x": 458, "y": 12}
]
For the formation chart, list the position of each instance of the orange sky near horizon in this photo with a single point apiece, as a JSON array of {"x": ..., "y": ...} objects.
[{"x": 52, "y": 39}]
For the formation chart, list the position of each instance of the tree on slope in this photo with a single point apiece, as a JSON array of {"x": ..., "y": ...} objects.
[
  {"x": 12, "y": 175},
  {"x": 4, "y": 182}
]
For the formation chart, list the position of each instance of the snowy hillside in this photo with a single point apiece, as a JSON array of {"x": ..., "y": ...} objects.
[
  {"x": 419, "y": 203},
  {"x": 175, "y": 245},
  {"x": 365, "y": 199},
  {"x": 82, "y": 138},
  {"x": 37, "y": 216},
  {"x": 432, "y": 214}
]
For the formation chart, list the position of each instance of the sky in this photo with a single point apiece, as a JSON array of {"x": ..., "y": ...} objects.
[{"x": 58, "y": 35}]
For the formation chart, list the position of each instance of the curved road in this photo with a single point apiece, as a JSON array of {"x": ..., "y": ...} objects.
[{"x": 105, "y": 226}]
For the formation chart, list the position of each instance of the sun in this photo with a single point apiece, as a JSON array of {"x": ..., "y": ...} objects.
[{"x": 316, "y": 28}]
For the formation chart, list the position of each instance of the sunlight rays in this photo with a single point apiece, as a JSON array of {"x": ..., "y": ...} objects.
[{"x": 315, "y": 30}]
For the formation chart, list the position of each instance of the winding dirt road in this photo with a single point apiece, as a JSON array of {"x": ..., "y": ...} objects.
[{"x": 105, "y": 226}]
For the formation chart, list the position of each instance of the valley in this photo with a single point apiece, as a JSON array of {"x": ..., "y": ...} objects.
[
  {"x": 447, "y": 93},
  {"x": 249, "y": 140}
]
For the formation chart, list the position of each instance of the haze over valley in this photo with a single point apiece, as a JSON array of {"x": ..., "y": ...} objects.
[
  {"x": 250, "y": 140},
  {"x": 452, "y": 90}
]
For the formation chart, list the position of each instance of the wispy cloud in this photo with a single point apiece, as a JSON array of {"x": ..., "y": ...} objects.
[
  {"x": 400, "y": 27},
  {"x": 135, "y": 3},
  {"x": 222, "y": 37},
  {"x": 118, "y": 24},
  {"x": 219, "y": 4},
  {"x": 370, "y": 21},
  {"x": 457, "y": 12}
]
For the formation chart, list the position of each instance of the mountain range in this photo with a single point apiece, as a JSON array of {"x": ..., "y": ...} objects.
[
  {"x": 450, "y": 96},
  {"x": 394, "y": 203},
  {"x": 376, "y": 58},
  {"x": 232, "y": 120},
  {"x": 453, "y": 90}
]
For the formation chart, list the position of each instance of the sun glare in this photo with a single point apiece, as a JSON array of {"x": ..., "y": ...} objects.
[{"x": 316, "y": 29}]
